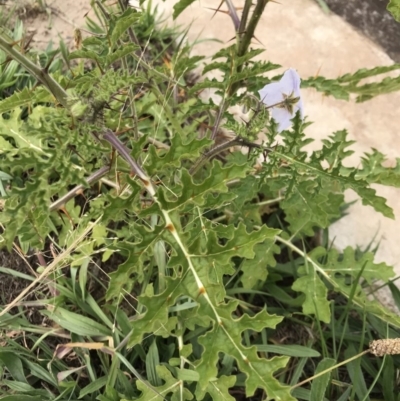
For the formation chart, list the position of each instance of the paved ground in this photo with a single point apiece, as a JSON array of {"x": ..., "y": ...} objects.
[
  {"x": 299, "y": 34},
  {"x": 372, "y": 19}
]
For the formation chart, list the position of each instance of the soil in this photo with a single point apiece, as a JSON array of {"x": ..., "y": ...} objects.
[
  {"x": 9, "y": 285},
  {"x": 54, "y": 20}
]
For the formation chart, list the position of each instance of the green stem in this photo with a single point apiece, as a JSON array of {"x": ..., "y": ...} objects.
[
  {"x": 270, "y": 201},
  {"x": 71, "y": 194},
  {"x": 251, "y": 27},
  {"x": 237, "y": 141},
  {"x": 245, "y": 16},
  {"x": 37, "y": 72},
  {"x": 125, "y": 66},
  {"x": 131, "y": 34},
  {"x": 113, "y": 140},
  {"x": 244, "y": 37},
  {"x": 97, "y": 175},
  {"x": 132, "y": 107},
  {"x": 221, "y": 111},
  {"x": 105, "y": 13}
]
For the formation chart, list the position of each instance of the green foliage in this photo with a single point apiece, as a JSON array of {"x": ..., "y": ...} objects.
[
  {"x": 394, "y": 8},
  {"x": 341, "y": 271},
  {"x": 320, "y": 384},
  {"x": 180, "y": 6},
  {"x": 25, "y": 98},
  {"x": 351, "y": 84},
  {"x": 13, "y": 77},
  {"x": 175, "y": 269}
]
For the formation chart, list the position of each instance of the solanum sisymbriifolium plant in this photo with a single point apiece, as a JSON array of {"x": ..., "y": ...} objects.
[{"x": 180, "y": 266}]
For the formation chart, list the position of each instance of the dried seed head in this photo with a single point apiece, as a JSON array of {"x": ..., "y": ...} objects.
[
  {"x": 78, "y": 39},
  {"x": 390, "y": 346}
]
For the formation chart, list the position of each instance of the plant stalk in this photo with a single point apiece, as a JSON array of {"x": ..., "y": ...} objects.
[
  {"x": 233, "y": 14},
  {"x": 330, "y": 369},
  {"x": 71, "y": 194},
  {"x": 245, "y": 16},
  {"x": 251, "y": 27},
  {"x": 112, "y": 139},
  {"x": 41, "y": 75}
]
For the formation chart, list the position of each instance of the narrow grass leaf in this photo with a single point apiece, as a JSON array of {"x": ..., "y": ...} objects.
[
  {"x": 18, "y": 386},
  {"x": 356, "y": 374},
  {"x": 77, "y": 324},
  {"x": 61, "y": 376},
  {"x": 15, "y": 273},
  {"x": 22, "y": 397},
  {"x": 395, "y": 293},
  {"x": 388, "y": 380},
  {"x": 298, "y": 371},
  {"x": 346, "y": 395},
  {"x": 99, "y": 313},
  {"x": 320, "y": 384},
  {"x": 144, "y": 383},
  {"x": 302, "y": 394},
  {"x": 41, "y": 373},
  {"x": 152, "y": 361},
  {"x": 13, "y": 365},
  {"x": 93, "y": 387},
  {"x": 290, "y": 350},
  {"x": 83, "y": 271}
]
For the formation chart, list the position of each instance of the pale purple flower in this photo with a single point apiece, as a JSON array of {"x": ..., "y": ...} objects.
[{"x": 283, "y": 98}]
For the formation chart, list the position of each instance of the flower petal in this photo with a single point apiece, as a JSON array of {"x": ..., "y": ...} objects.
[
  {"x": 282, "y": 117},
  {"x": 271, "y": 94},
  {"x": 290, "y": 82}
]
